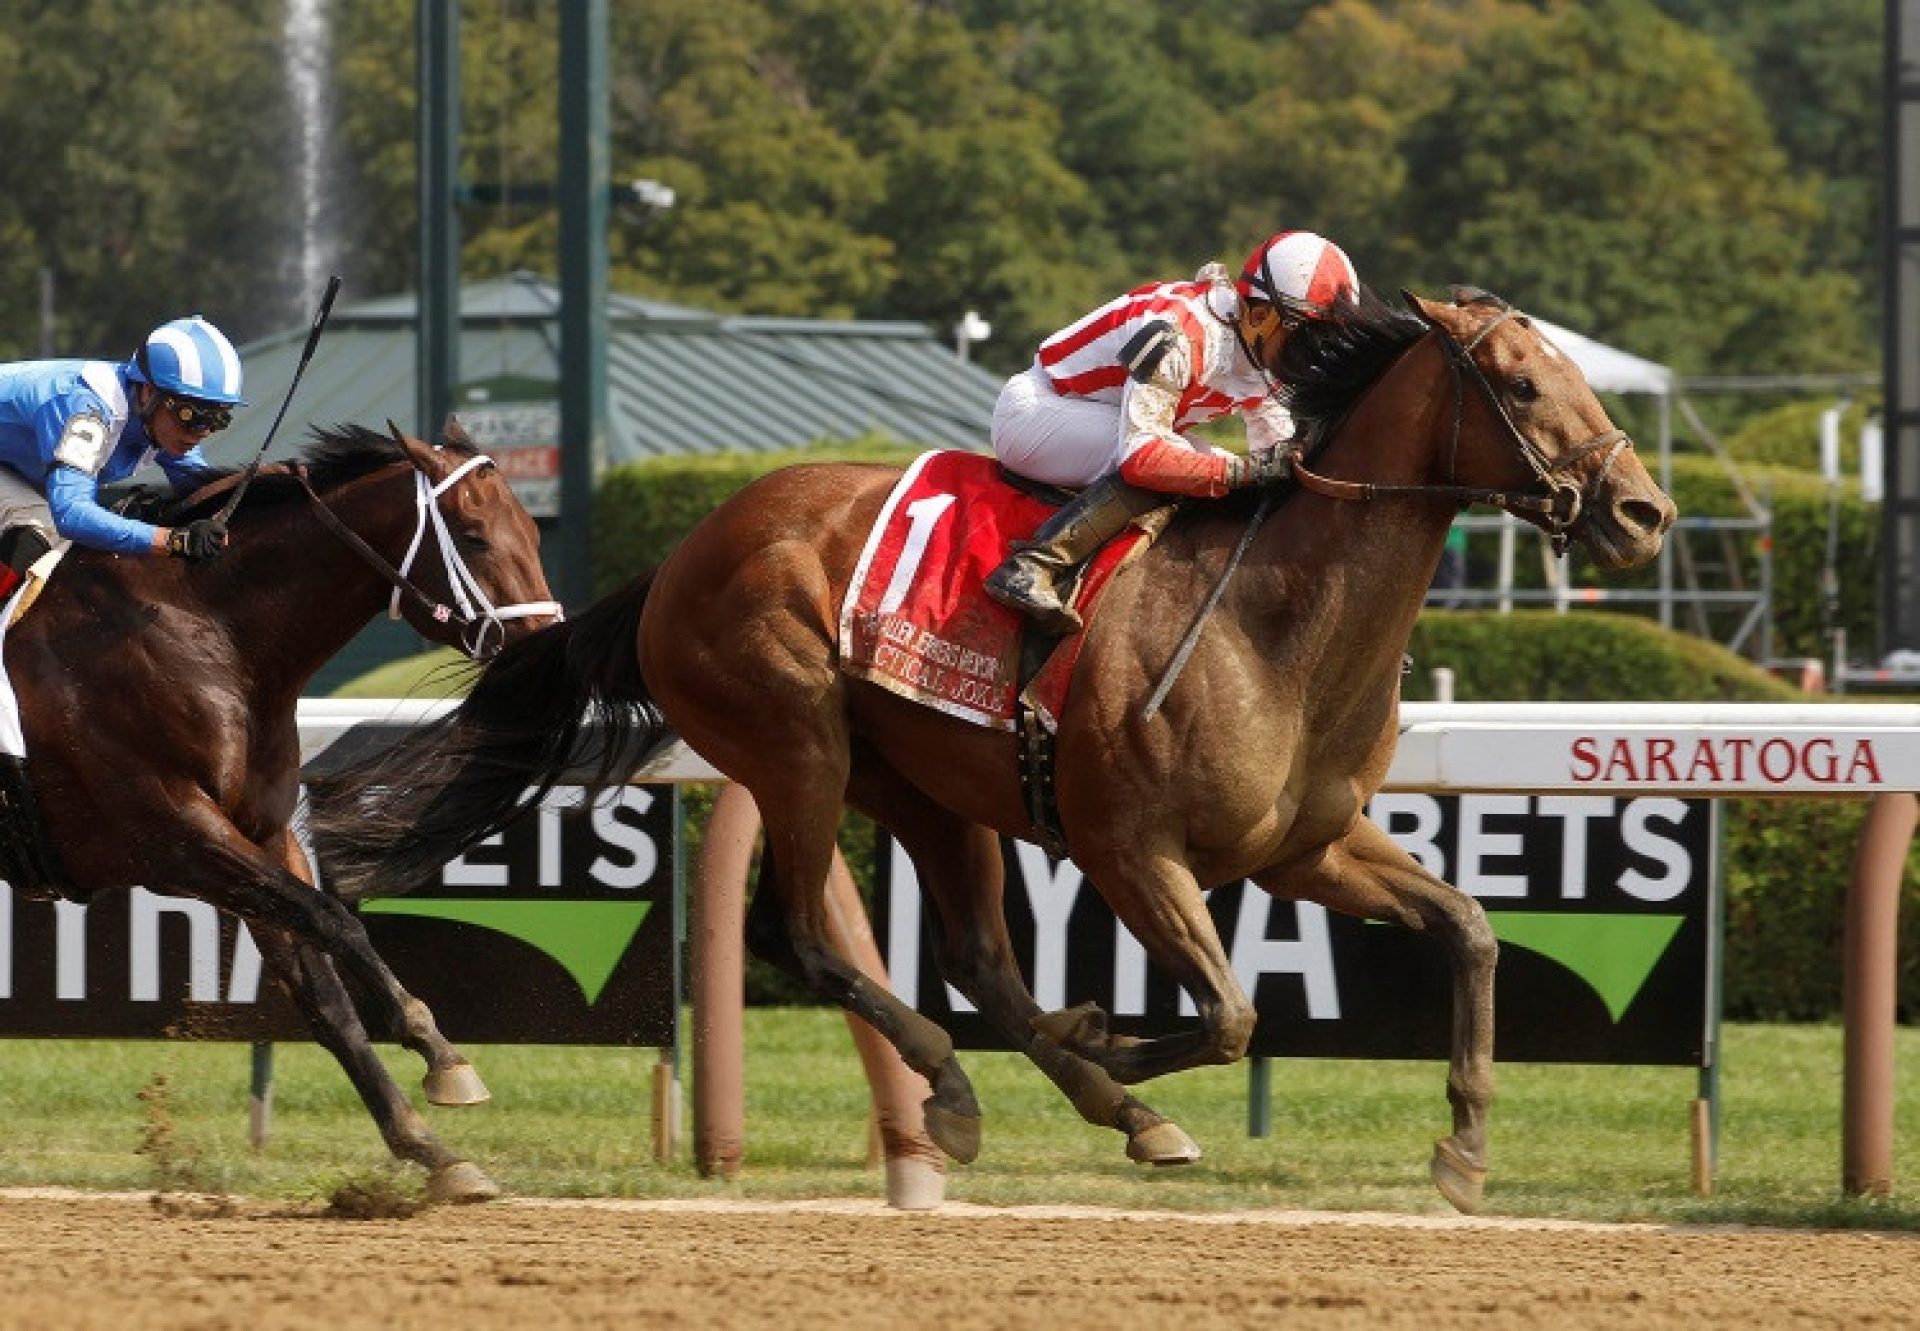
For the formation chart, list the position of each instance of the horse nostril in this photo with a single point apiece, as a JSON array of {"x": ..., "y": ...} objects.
[{"x": 1647, "y": 515}]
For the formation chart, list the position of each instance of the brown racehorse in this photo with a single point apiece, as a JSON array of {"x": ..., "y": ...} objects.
[
  {"x": 159, "y": 706},
  {"x": 1275, "y": 734}
]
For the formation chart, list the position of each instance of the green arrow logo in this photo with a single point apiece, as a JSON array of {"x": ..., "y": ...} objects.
[
  {"x": 587, "y": 938},
  {"x": 1613, "y": 954}
]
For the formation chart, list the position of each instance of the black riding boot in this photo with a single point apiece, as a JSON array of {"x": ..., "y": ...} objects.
[
  {"x": 27, "y": 861},
  {"x": 1034, "y": 579}
]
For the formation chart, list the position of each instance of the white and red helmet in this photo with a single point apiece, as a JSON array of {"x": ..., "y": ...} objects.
[{"x": 1299, "y": 268}]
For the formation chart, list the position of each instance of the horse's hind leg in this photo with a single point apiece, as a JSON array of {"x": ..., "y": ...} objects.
[
  {"x": 1369, "y": 876},
  {"x": 963, "y": 879},
  {"x": 800, "y": 823},
  {"x": 315, "y": 987}
]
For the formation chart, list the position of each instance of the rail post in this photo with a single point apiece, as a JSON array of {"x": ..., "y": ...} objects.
[{"x": 1868, "y": 992}]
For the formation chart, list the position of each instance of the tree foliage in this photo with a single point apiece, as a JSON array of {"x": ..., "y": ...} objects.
[
  {"x": 140, "y": 141},
  {"x": 1657, "y": 211},
  {"x": 1693, "y": 179}
]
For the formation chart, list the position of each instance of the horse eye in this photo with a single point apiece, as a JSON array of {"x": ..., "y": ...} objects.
[
  {"x": 1523, "y": 389},
  {"x": 469, "y": 544}
]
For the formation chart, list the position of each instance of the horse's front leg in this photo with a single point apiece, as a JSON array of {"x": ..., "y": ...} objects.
[
  {"x": 1367, "y": 875},
  {"x": 1157, "y": 899},
  {"x": 450, "y": 1079},
  {"x": 211, "y": 859},
  {"x": 315, "y": 987}
]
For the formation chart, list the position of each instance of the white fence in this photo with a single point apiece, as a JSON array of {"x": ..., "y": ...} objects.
[{"x": 1703, "y": 749}]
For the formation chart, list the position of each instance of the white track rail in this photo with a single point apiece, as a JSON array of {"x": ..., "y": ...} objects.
[{"x": 1698, "y": 749}]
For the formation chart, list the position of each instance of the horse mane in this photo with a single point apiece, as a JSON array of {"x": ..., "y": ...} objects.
[
  {"x": 1330, "y": 360},
  {"x": 335, "y": 456}
]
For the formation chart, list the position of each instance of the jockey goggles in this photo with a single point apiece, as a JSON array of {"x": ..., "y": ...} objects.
[{"x": 200, "y": 417}]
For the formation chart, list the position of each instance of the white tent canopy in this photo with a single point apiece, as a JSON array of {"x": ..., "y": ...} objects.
[
  {"x": 1608, "y": 369},
  {"x": 1611, "y": 370}
]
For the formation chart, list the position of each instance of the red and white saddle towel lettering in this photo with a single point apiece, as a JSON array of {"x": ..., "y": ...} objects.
[{"x": 915, "y": 620}]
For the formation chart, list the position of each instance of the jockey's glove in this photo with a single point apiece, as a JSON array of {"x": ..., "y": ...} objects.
[
  {"x": 198, "y": 541},
  {"x": 1265, "y": 468}
]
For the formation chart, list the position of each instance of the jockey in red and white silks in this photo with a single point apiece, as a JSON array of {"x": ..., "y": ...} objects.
[
  {"x": 1107, "y": 402},
  {"x": 1078, "y": 413}
]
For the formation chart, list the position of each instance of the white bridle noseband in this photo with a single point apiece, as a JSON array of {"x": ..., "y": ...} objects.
[{"x": 483, "y": 624}]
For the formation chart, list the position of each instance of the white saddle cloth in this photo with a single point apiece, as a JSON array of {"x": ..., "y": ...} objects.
[{"x": 12, "y": 741}]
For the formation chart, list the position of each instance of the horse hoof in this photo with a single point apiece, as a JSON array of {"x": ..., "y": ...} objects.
[
  {"x": 914, "y": 1184},
  {"x": 455, "y": 1085},
  {"x": 1460, "y": 1180},
  {"x": 1163, "y": 1144},
  {"x": 956, "y": 1134},
  {"x": 461, "y": 1181}
]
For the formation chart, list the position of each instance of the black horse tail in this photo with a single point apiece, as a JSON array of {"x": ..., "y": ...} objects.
[{"x": 564, "y": 703}]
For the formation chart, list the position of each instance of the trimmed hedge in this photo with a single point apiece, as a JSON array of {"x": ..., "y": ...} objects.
[
  {"x": 1583, "y": 655},
  {"x": 642, "y": 509},
  {"x": 1800, "y": 504}
]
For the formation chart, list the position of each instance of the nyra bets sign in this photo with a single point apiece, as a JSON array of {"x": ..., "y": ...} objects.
[
  {"x": 1603, "y": 908},
  {"x": 557, "y": 931}
]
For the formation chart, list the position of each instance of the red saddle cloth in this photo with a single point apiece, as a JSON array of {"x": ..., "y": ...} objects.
[{"x": 915, "y": 620}]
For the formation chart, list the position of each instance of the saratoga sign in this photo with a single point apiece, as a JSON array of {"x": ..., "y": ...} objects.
[
  {"x": 1694, "y": 760},
  {"x": 1715, "y": 760}
]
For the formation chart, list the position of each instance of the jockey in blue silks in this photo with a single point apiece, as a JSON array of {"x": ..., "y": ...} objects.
[{"x": 69, "y": 426}]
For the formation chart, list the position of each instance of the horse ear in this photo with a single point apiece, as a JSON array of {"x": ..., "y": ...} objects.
[
  {"x": 421, "y": 455},
  {"x": 1476, "y": 296},
  {"x": 1423, "y": 308},
  {"x": 455, "y": 433}
]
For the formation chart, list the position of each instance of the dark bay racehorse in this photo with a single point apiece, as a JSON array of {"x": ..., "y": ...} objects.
[
  {"x": 159, "y": 706},
  {"x": 1257, "y": 765}
]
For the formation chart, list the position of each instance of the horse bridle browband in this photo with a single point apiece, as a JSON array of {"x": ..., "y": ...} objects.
[
  {"x": 1559, "y": 511},
  {"x": 478, "y": 618}
]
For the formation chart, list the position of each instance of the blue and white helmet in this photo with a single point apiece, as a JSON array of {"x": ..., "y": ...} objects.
[{"x": 190, "y": 358}]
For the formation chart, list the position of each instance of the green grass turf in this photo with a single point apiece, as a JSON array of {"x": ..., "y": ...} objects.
[{"x": 1567, "y": 1141}]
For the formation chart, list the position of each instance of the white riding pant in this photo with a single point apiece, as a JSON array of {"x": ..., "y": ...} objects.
[
  {"x": 1048, "y": 437},
  {"x": 21, "y": 505}
]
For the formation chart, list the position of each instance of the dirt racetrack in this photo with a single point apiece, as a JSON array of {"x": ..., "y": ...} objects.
[{"x": 73, "y": 1261}]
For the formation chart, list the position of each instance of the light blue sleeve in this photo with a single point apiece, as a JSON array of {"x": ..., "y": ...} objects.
[{"x": 74, "y": 497}]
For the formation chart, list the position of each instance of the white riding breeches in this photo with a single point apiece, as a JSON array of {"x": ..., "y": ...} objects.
[
  {"x": 1048, "y": 437},
  {"x": 21, "y": 505}
]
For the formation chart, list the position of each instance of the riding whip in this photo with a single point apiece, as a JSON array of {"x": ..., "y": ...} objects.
[
  {"x": 313, "y": 340},
  {"x": 1192, "y": 638}
]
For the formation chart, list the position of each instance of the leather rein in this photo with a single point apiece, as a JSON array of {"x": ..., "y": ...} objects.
[
  {"x": 1559, "y": 511},
  {"x": 481, "y": 623}
]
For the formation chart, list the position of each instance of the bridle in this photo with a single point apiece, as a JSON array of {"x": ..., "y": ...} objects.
[
  {"x": 1558, "y": 511},
  {"x": 482, "y": 624}
]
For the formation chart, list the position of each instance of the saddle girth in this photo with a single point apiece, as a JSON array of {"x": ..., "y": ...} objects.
[{"x": 1036, "y": 782}]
